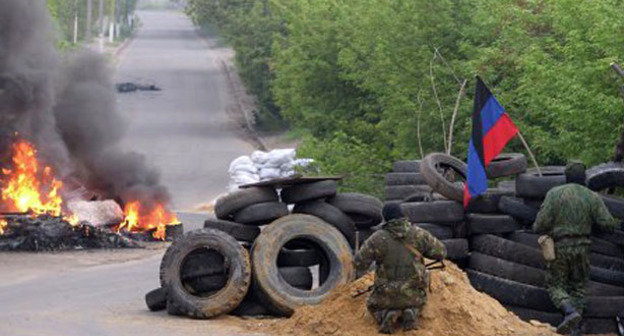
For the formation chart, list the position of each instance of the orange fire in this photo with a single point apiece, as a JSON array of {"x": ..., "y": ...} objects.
[
  {"x": 3, "y": 224},
  {"x": 136, "y": 219},
  {"x": 27, "y": 186}
]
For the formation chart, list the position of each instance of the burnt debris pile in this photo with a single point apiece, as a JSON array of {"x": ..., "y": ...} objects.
[{"x": 25, "y": 232}]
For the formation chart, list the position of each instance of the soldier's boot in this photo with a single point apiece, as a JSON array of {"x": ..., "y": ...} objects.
[
  {"x": 389, "y": 322},
  {"x": 410, "y": 319},
  {"x": 571, "y": 319}
]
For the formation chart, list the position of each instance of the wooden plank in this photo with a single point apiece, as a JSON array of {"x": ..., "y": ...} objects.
[{"x": 290, "y": 181}]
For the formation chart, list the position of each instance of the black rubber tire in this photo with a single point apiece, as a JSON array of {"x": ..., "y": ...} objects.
[
  {"x": 606, "y": 248},
  {"x": 605, "y": 176},
  {"x": 298, "y": 257},
  {"x": 439, "y": 231},
  {"x": 506, "y": 164},
  {"x": 406, "y": 166},
  {"x": 228, "y": 204},
  {"x": 528, "y": 314},
  {"x": 228, "y": 297},
  {"x": 206, "y": 284},
  {"x": 363, "y": 235},
  {"x": 364, "y": 210},
  {"x": 156, "y": 299},
  {"x": 308, "y": 191},
  {"x": 202, "y": 263},
  {"x": 283, "y": 297},
  {"x": 606, "y": 262},
  {"x": 598, "y": 246},
  {"x": 594, "y": 326},
  {"x": 510, "y": 292},
  {"x": 603, "y": 306},
  {"x": 606, "y": 276},
  {"x": 600, "y": 289},
  {"x": 251, "y": 308},
  {"x": 617, "y": 237},
  {"x": 456, "y": 249},
  {"x": 507, "y": 250},
  {"x": 401, "y": 192},
  {"x": 393, "y": 179},
  {"x": 517, "y": 208},
  {"x": 298, "y": 277},
  {"x": 507, "y": 269},
  {"x": 487, "y": 203},
  {"x": 434, "y": 212},
  {"x": 330, "y": 214},
  {"x": 261, "y": 213},
  {"x": 507, "y": 185},
  {"x": 483, "y": 223},
  {"x": 429, "y": 169},
  {"x": 246, "y": 233},
  {"x": 460, "y": 230},
  {"x": 419, "y": 197},
  {"x": 531, "y": 185},
  {"x": 173, "y": 309},
  {"x": 614, "y": 204}
]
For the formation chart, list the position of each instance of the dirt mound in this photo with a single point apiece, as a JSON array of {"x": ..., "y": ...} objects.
[{"x": 454, "y": 309}]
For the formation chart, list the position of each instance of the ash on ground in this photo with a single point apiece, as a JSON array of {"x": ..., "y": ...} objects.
[{"x": 51, "y": 233}]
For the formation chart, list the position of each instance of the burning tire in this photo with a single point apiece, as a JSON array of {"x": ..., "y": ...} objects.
[
  {"x": 308, "y": 191},
  {"x": 197, "y": 303},
  {"x": 272, "y": 287},
  {"x": 227, "y": 205}
]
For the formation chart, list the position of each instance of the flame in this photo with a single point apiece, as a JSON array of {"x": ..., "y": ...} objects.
[
  {"x": 27, "y": 186},
  {"x": 137, "y": 218},
  {"x": 3, "y": 224}
]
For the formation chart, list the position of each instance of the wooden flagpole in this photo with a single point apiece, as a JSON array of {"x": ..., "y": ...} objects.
[{"x": 526, "y": 145}]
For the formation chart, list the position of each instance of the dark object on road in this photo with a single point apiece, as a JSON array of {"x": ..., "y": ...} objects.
[
  {"x": 27, "y": 232},
  {"x": 131, "y": 87}
]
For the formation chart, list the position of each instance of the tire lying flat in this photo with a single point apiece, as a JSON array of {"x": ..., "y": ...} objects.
[
  {"x": 261, "y": 213},
  {"x": 228, "y": 204},
  {"x": 531, "y": 185},
  {"x": 331, "y": 215},
  {"x": 308, "y": 191},
  {"x": 364, "y": 210},
  {"x": 434, "y": 212},
  {"x": 246, "y": 233}
]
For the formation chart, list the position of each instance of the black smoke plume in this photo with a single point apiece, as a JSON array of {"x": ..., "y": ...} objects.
[{"x": 67, "y": 108}]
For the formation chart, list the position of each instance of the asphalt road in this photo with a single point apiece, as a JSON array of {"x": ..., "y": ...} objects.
[{"x": 185, "y": 131}]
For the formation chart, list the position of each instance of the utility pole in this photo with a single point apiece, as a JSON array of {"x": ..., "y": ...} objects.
[
  {"x": 88, "y": 23},
  {"x": 111, "y": 31},
  {"x": 75, "y": 39}
]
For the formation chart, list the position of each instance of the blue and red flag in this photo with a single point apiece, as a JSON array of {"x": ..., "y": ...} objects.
[{"x": 491, "y": 130}]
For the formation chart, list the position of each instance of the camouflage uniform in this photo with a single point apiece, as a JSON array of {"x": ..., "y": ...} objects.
[
  {"x": 401, "y": 279},
  {"x": 567, "y": 215}
]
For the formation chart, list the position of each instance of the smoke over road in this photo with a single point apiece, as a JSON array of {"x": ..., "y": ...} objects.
[{"x": 66, "y": 106}]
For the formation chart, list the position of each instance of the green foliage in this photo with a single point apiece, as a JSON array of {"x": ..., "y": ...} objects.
[{"x": 359, "y": 75}]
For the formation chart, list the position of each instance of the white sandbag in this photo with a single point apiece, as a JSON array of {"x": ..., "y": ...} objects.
[
  {"x": 250, "y": 169},
  {"x": 259, "y": 157},
  {"x": 240, "y": 161},
  {"x": 269, "y": 173},
  {"x": 278, "y": 157},
  {"x": 96, "y": 212},
  {"x": 302, "y": 162},
  {"x": 243, "y": 178}
]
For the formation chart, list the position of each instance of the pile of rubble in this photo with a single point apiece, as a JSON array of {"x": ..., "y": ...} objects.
[
  {"x": 269, "y": 250},
  {"x": 504, "y": 259}
]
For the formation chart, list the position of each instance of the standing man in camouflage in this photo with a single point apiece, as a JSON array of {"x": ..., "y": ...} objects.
[
  {"x": 401, "y": 277},
  {"x": 567, "y": 216}
]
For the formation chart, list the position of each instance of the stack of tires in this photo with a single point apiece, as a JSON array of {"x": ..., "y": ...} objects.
[
  {"x": 405, "y": 182},
  {"x": 275, "y": 258},
  {"x": 504, "y": 259}
]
